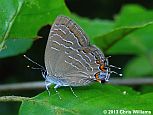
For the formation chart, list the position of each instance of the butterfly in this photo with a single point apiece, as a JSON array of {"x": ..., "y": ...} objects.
[{"x": 70, "y": 59}]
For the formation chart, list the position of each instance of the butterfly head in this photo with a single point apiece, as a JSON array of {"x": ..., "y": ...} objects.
[{"x": 104, "y": 70}]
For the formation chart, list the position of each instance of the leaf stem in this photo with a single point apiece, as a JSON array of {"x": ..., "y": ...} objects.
[
  {"x": 41, "y": 85},
  {"x": 13, "y": 99}
]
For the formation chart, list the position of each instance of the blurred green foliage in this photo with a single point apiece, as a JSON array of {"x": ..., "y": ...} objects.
[
  {"x": 129, "y": 33},
  {"x": 139, "y": 42}
]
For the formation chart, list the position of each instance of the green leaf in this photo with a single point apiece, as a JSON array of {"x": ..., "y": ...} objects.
[
  {"x": 146, "y": 89},
  {"x": 8, "y": 11},
  {"x": 91, "y": 100},
  {"x": 139, "y": 41},
  {"x": 35, "y": 14},
  {"x": 139, "y": 67},
  {"x": 15, "y": 46},
  {"x": 133, "y": 15},
  {"x": 106, "y": 41},
  {"x": 21, "y": 19}
]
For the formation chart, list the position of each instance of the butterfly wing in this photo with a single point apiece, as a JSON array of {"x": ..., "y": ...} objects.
[{"x": 69, "y": 55}]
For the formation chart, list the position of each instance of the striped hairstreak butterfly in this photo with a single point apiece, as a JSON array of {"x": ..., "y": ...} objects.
[{"x": 70, "y": 59}]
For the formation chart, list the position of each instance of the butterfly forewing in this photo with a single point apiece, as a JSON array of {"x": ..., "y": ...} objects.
[{"x": 69, "y": 55}]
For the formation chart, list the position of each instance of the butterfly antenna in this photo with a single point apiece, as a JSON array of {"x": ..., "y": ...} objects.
[
  {"x": 34, "y": 67},
  {"x": 115, "y": 73},
  {"x": 108, "y": 57},
  {"x": 41, "y": 67},
  {"x": 114, "y": 66}
]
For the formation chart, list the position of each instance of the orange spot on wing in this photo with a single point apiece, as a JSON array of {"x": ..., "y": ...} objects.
[
  {"x": 97, "y": 78},
  {"x": 102, "y": 67}
]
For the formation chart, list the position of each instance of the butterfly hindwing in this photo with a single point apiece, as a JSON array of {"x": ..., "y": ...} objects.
[{"x": 69, "y": 55}]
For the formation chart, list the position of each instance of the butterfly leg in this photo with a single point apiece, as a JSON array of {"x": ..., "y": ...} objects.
[
  {"x": 47, "y": 84},
  {"x": 73, "y": 91},
  {"x": 57, "y": 86}
]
